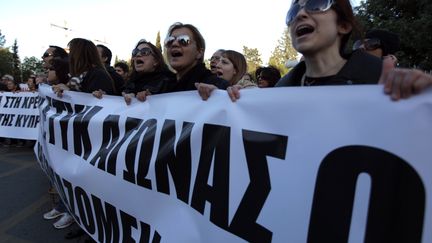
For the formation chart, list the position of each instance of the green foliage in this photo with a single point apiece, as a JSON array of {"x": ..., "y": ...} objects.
[
  {"x": 2, "y": 40},
  {"x": 158, "y": 41},
  {"x": 16, "y": 72},
  {"x": 207, "y": 63},
  {"x": 253, "y": 58},
  {"x": 31, "y": 66},
  {"x": 5, "y": 61},
  {"x": 283, "y": 52},
  {"x": 411, "y": 20}
]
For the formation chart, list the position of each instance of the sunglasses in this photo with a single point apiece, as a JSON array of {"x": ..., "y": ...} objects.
[
  {"x": 145, "y": 51},
  {"x": 183, "y": 40},
  {"x": 46, "y": 54},
  {"x": 215, "y": 58},
  {"x": 367, "y": 44},
  {"x": 310, "y": 6}
]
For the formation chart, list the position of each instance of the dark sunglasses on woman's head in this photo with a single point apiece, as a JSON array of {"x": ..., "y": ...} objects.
[
  {"x": 367, "y": 44},
  {"x": 183, "y": 40},
  {"x": 46, "y": 54},
  {"x": 310, "y": 6},
  {"x": 145, "y": 51}
]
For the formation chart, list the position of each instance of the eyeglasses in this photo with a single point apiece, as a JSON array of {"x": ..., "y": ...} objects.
[
  {"x": 183, "y": 40},
  {"x": 367, "y": 44},
  {"x": 46, "y": 54},
  {"x": 310, "y": 6},
  {"x": 215, "y": 58},
  {"x": 145, "y": 51}
]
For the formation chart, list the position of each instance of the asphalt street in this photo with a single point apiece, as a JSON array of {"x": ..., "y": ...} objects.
[{"x": 24, "y": 199}]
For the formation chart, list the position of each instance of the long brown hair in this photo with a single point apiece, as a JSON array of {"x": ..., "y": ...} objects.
[
  {"x": 239, "y": 63},
  {"x": 83, "y": 56}
]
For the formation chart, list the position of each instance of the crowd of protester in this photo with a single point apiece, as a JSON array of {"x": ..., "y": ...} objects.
[{"x": 320, "y": 34}]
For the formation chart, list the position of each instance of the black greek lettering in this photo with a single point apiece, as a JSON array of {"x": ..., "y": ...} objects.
[
  {"x": 258, "y": 146},
  {"x": 106, "y": 221},
  {"x": 85, "y": 209},
  {"x": 110, "y": 136},
  {"x": 82, "y": 144},
  {"x": 178, "y": 163},
  {"x": 215, "y": 142},
  {"x": 397, "y": 199}
]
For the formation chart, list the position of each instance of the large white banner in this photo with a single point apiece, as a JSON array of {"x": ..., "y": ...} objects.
[
  {"x": 315, "y": 164},
  {"x": 19, "y": 115}
]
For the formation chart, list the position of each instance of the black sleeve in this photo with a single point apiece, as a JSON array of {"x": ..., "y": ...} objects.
[
  {"x": 98, "y": 79},
  {"x": 216, "y": 81}
]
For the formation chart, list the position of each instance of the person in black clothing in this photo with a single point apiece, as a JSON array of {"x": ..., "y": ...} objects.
[
  {"x": 122, "y": 69},
  {"x": 185, "y": 51},
  {"x": 320, "y": 30},
  {"x": 150, "y": 74},
  {"x": 381, "y": 43},
  {"x": 106, "y": 56},
  {"x": 87, "y": 70},
  {"x": 267, "y": 76}
]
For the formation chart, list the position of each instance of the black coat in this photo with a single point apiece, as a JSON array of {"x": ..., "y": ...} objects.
[
  {"x": 118, "y": 80},
  {"x": 156, "y": 82},
  {"x": 199, "y": 74},
  {"x": 97, "y": 79},
  {"x": 360, "y": 68}
]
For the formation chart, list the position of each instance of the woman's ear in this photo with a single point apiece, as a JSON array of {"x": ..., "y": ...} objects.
[
  {"x": 200, "y": 54},
  {"x": 344, "y": 28}
]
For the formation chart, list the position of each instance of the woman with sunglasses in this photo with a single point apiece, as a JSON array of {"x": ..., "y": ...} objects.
[
  {"x": 185, "y": 51},
  {"x": 380, "y": 43},
  {"x": 320, "y": 30},
  {"x": 150, "y": 74}
]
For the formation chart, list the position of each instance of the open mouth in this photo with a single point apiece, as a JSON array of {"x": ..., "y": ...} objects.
[
  {"x": 176, "y": 54},
  {"x": 138, "y": 61},
  {"x": 219, "y": 73},
  {"x": 304, "y": 30}
]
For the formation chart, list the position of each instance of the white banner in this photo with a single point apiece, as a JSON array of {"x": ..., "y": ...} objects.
[
  {"x": 19, "y": 115},
  {"x": 315, "y": 164}
]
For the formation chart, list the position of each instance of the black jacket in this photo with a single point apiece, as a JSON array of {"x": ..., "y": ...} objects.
[
  {"x": 118, "y": 80},
  {"x": 360, "y": 68},
  {"x": 95, "y": 79},
  {"x": 156, "y": 82},
  {"x": 199, "y": 74}
]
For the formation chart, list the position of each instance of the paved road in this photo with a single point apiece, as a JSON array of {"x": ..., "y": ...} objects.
[{"x": 24, "y": 199}]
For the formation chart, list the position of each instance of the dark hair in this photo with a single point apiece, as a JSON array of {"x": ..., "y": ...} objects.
[
  {"x": 157, "y": 54},
  {"x": 239, "y": 62},
  {"x": 33, "y": 78},
  {"x": 390, "y": 42},
  {"x": 61, "y": 67},
  {"x": 83, "y": 56},
  {"x": 199, "y": 39},
  {"x": 271, "y": 74},
  {"x": 345, "y": 15},
  {"x": 106, "y": 52},
  {"x": 123, "y": 66},
  {"x": 59, "y": 52}
]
